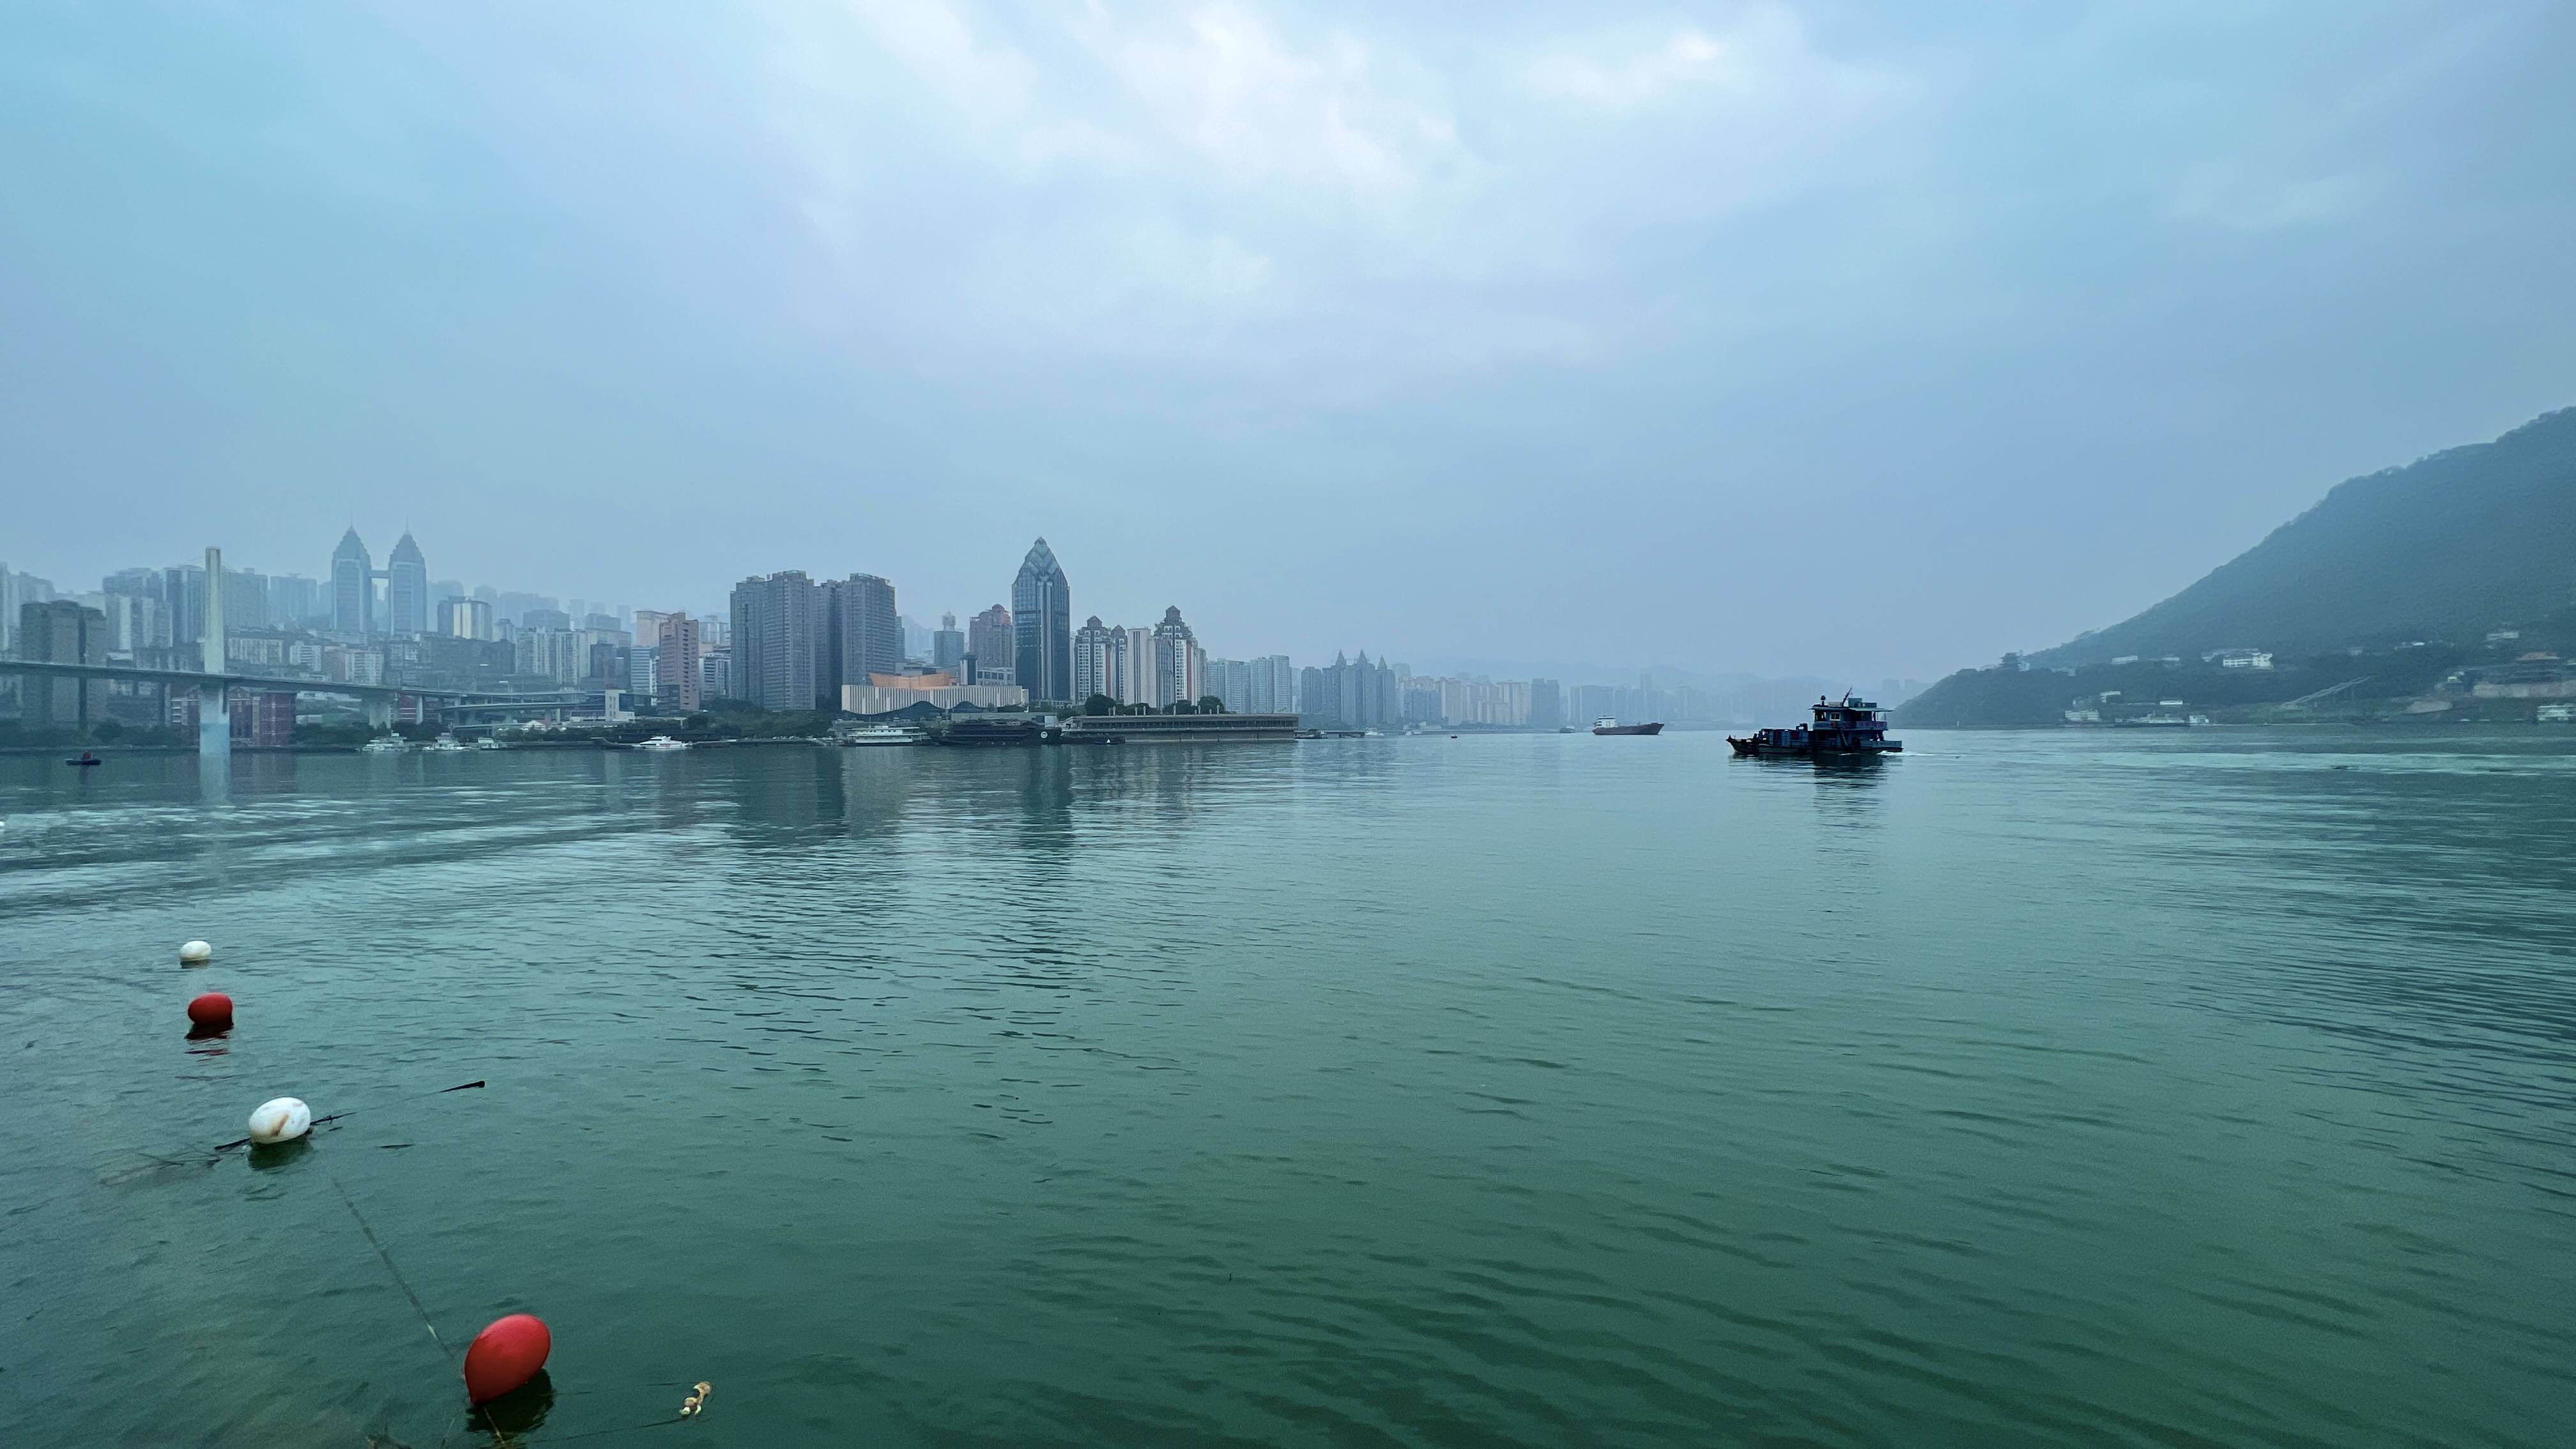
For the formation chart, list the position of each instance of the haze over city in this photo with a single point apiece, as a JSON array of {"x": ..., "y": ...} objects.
[{"x": 1851, "y": 339}]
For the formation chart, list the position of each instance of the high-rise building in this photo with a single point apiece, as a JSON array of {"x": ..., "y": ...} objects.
[
  {"x": 862, "y": 633},
  {"x": 66, "y": 633},
  {"x": 677, "y": 683},
  {"x": 1135, "y": 666},
  {"x": 138, "y": 608},
  {"x": 1042, "y": 618},
  {"x": 1230, "y": 680},
  {"x": 715, "y": 675},
  {"x": 1177, "y": 661},
  {"x": 246, "y": 600},
  {"x": 183, "y": 586},
  {"x": 1272, "y": 687},
  {"x": 648, "y": 626},
  {"x": 777, "y": 640},
  {"x": 990, "y": 642},
  {"x": 1095, "y": 660},
  {"x": 132, "y": 622},
  {"x": 1546, "y": 708},
  {"x": 353, "y": 588},
  {"x": 1350, "y": 694},
  {"x": 465, "y": 618},
  {"x": 947, "y": 644},
  {"x": 295, "y": 601}
]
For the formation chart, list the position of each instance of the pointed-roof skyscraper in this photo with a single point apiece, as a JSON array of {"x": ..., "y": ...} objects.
[
  {"x": 353, "y": 587},
  {"x": 1042, "y": 623},
  {"x": 406, "y": 589}
]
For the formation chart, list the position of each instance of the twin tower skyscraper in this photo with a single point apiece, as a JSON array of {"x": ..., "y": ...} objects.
[{"x": 353, "y": 589}]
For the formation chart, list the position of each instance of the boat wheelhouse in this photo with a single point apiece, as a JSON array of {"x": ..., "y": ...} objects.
[{"x": 1850, "y": 726}]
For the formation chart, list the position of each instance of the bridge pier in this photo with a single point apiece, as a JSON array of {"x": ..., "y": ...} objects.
[
  {"x": 214, "y": 702},
  {"x": 214, "y": 721},
  {"x": 380, "y": 712}
]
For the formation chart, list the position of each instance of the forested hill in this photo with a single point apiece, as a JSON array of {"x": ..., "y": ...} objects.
[{"x": 2444, "y": 548}]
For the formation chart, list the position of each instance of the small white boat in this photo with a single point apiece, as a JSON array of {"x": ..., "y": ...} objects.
[
  {"x": 663, "y": 742},
  {"x": 881, "y": 734},
  {"x": 385, "y": 745},
  {"x": 444, "y": 745},
  {"x": 487, "y": 743}
]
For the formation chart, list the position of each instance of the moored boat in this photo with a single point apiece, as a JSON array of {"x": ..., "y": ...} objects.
[
  {"x": 663, "y": 742},
  {"x": 386, "y": 744},
  {"x": 880, "y": 734},
  {"x": 977, "y": 732},
  {"x": 1848, "y": 727}
]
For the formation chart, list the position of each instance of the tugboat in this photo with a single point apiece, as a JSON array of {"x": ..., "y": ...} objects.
[
  {"x": 1609, "y": 725},
  {"x": 1850, "y": 727}
]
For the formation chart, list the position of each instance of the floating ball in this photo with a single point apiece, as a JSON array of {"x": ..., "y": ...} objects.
[
  {"x": 213, "y": 1011},
  {"x": 196, "y": 953},
  {"x": 280, "y": 1119},
  {"x": 506, "y": 1355}
]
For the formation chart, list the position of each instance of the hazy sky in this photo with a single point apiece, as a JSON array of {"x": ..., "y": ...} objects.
[{"x": 1854, "y": 338}]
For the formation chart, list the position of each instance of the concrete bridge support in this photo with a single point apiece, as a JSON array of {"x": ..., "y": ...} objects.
[
  {"x": 214, "y": 721},
  {"x": 380, "y": 712},
  {"x": 214, "y": 702}
]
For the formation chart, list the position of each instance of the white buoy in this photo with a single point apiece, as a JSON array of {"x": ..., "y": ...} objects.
[
  {"x": 196, "y": 953},
  {"x": 280, "y": 1119}
]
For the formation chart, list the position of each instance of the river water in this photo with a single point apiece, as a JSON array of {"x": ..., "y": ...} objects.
[{"x": 2203, "y": 1088}]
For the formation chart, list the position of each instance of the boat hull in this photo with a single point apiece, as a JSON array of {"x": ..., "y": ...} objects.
[
  {"x": 1635, "y": 729},
  {"x": 1759, "y": 750}
]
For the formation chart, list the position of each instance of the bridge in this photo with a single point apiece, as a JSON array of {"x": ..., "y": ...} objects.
[{"x": 214, "y": 687}]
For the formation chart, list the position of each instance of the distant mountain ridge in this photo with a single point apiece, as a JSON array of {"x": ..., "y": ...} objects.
[{"x": 2447, "y": 547}]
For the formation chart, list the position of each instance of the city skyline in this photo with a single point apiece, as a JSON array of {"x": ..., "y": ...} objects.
[
  {"x": 322, "y": 598},
  {"x": 786, "y": 641}
]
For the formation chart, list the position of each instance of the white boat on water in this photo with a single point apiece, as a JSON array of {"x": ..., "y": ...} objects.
[
  {"x": 385, "y": 745},
  {"x": 487, "y": 743},
  {"x": 663, "y": 742},
  {"x": 444, "y": 745},
  {"x": 881, "y": 734}
]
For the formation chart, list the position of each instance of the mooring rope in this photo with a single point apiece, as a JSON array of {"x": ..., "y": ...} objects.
[
  {"x": 388, "y": 1260},
  {"x": 371, "y": 1106}
]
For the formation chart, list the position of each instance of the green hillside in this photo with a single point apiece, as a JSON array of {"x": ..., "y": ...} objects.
[
  {"x": 2442, "y": 549},
  {"x": 2397, "y": 576}
]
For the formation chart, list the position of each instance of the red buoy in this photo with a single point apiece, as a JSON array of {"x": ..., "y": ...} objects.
[
  {"x": 213, "y": 1011},
  {"x": 505, "y": 1355}
]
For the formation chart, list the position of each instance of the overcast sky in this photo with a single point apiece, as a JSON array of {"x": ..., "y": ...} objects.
[{"x": 1865, "y": 339}]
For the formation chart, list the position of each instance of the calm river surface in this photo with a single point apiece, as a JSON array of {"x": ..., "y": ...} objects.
[{"x": 2206, "y": 1088}]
